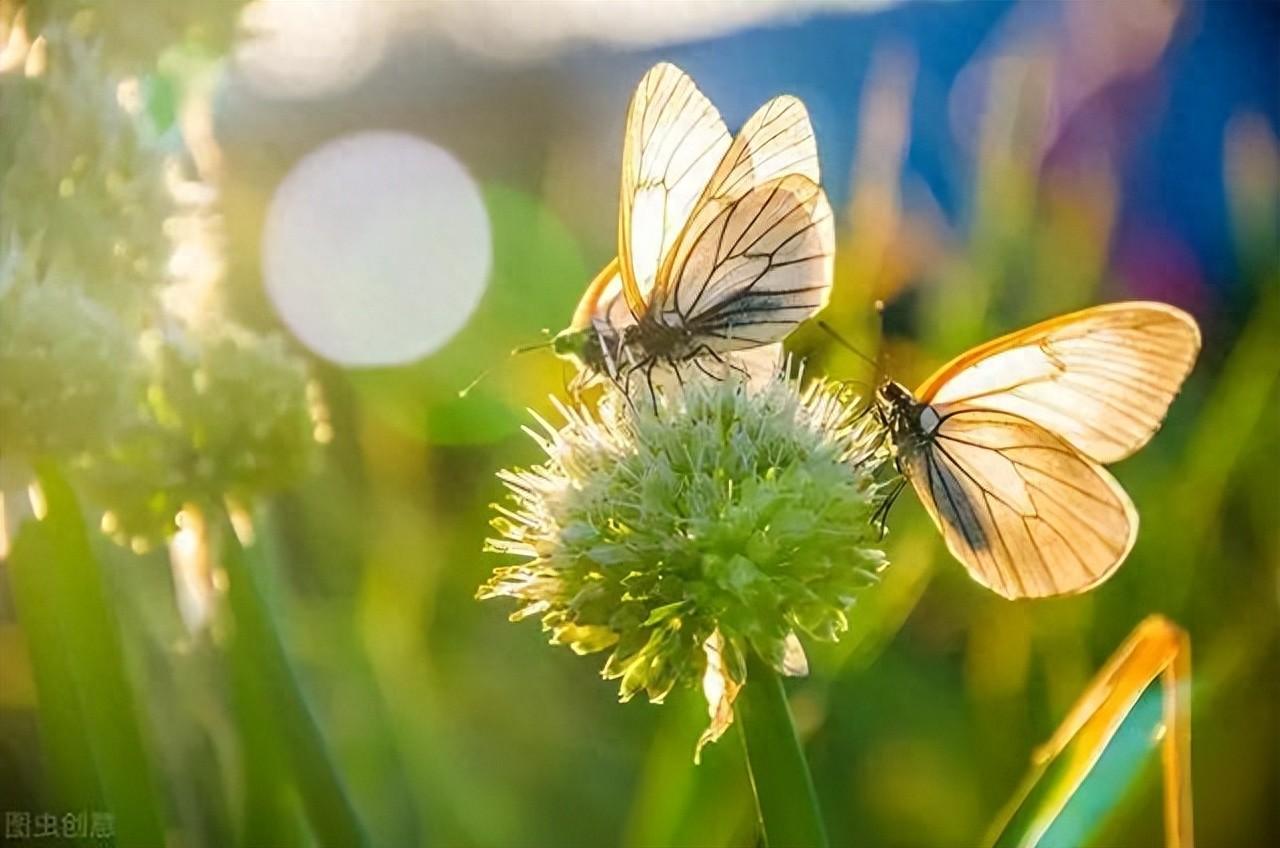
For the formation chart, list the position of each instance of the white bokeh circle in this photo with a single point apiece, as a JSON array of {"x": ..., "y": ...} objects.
[{"x": 376, "y": 248}]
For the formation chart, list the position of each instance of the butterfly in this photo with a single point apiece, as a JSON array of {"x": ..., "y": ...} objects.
[
  {"x": 1005, "y": 444},
  {"x": 724, "y": 245}
]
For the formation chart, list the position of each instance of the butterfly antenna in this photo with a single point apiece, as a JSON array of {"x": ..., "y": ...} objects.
[
  {"x": 548, "y": 341},
  {"x": 829, "y": 330},
  {"x": 463, "y": 392},
  {"x": 514, "y": 352},
  {"x": 882, "y": 358}
]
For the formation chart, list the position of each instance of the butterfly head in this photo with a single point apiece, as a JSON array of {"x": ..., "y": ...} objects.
[
  {"x": 893, "y": 398},
  {"x": 591, "y": 349},
  {"x": 570, "y": 344},
  {"x": 909, "y": 422}
]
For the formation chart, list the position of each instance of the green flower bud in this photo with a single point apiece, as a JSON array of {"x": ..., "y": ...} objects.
[
  {"x": 678, "y": 534},
  {"x": 227, "y": 412},
  {"x": 67, "y": 371}
]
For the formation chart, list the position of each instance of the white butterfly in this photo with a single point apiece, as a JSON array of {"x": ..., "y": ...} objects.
[
  {"x": 724, "y": 246},
  {"x": 1005, "y": 444}
]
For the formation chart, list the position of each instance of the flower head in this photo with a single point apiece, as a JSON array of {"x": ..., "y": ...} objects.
[{"x": 678, "y": 534}]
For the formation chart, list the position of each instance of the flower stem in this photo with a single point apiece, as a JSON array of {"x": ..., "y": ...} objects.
[{"x": 785, "y": 798}]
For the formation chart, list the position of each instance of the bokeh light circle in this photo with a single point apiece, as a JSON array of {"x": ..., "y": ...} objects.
[{"x": 377, "y": 248}]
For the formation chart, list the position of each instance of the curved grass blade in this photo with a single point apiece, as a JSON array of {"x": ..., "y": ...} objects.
[{"x": 1078, "y": 774}]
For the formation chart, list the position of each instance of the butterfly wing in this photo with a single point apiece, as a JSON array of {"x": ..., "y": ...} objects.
[
  {"x": 674, "y": 142},
  {"x": 1025, "y": 513},
  {"x": 1101, "y": 378},
  {"x": 760, "y": 265},
  {"x": 604, "y": 305},
  {"x": 757, "y": 364},
  {"x": 777, "y": 140},
  {"x": 603, "y": 301}
]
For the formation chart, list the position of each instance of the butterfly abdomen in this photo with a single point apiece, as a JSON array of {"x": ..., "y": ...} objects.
[{"x": 650, "y": 339}]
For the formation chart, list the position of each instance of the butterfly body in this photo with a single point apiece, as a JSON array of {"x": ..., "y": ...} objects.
[
  {"x": 616, "y": 351},
  {"x": 649, "y": 341},
  {"x": 909, "y": 423}
]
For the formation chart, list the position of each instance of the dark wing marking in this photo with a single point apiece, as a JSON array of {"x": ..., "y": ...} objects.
[
  {"x": 761, "y": 265},
  {"x": 1025, "y": 513}
]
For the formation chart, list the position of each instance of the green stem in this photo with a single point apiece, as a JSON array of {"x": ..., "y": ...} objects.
[
  {"x": 328, "y": 807},
  {"x": 785, "y": 798},
  {"x": 92, "y": 727}
]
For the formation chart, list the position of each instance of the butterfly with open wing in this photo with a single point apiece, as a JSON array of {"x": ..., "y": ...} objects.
[
  {"x": 724, "y": 246},
  {"x": 1005, "y": 444}
]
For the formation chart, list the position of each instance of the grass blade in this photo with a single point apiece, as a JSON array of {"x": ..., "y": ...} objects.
[
  {"x": 93, "y": 734},
  {"x": 257, "y": 646}
]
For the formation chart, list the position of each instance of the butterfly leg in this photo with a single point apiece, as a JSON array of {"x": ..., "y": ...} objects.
[
  {"x": 720, "y": 360},
  {"x": 742, "y": 372},
  {"x": 1156, "y": 649},
  {"x": 675, "y": 367},
  {"x": 648, "y": 365},
  {"x": 570, "y": 384},
  {"x": 621, "y": 380},
  {"x": 697, "y": 361},
  {"x": 881, "y": 515}
]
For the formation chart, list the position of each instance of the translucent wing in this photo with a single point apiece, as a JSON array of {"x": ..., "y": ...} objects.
[
  {"x": 1027, "y": 515},
  {"x": 674, "y": 142},
  {"x": 602, "y": 301},
  {"x": 756, "y": 365},
  {"x": 1101, "y": 378},
  {"x": 761, "y": 265},
  {"x": 776, "y": 141}
]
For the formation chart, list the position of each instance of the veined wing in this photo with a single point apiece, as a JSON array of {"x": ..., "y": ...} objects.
[
  {"x": 1025, "y": 513},
  {"x": 761, "y": 265},
  {"x": 674, "y": 142},
  {"x": 1101, "y": 378},
  {"x": 756, "y": 365},
  {"x": 776, "y": 141},
  {"x": 603, "y": 304}
]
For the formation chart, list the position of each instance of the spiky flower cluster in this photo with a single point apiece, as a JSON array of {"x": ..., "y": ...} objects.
[{"x": 679, "y": 534}]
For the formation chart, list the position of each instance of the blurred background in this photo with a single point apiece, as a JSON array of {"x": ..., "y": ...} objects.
[{"x": 250, "y": 255}]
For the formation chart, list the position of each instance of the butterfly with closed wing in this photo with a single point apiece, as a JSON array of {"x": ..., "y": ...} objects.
[{"x": 724, "y": 245}]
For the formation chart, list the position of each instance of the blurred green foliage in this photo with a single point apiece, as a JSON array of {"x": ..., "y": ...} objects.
[
  {"x": 446, "y": 725},
  {"x": 112, "y": 381}
]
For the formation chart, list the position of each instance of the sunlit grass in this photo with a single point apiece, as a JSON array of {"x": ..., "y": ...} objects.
[{"x": 342, "y": 685}]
